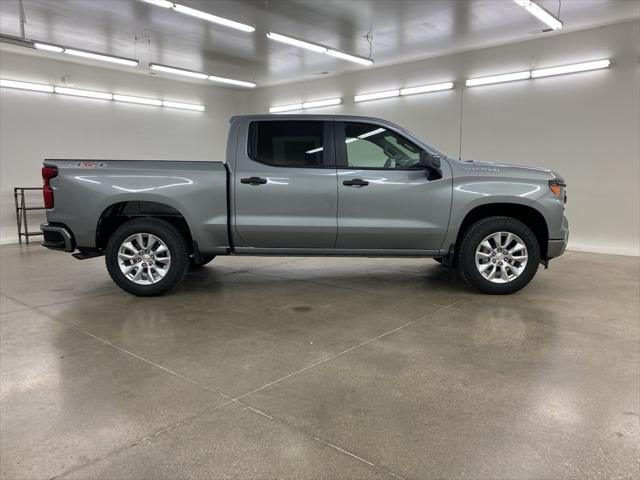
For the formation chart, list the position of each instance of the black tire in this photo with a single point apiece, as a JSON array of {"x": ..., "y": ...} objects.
[
  {"x": 476, "y": 233},
  {"x": 168, "y": 234},
  {"x": 201, "y": 262}
]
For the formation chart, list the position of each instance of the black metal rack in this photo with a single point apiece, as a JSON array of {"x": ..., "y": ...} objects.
[{"x": 21, "y": 213}]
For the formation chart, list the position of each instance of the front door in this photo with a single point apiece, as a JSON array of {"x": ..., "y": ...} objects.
[
  {"x": 385, "y": 199},
  {"x": 285, "y": 186}
]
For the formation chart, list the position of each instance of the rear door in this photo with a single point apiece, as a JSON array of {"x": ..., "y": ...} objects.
[
  {"x": 385, "y": 199},
  {"x": 285, "y": 186}
]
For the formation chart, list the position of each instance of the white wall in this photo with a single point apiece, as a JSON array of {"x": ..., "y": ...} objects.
[
  {"x": 585, "y": 126},
  {"x": 34, "y": 125}
]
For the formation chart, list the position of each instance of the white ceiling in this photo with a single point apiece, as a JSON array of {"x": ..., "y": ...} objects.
[{"x": 402, "y": 30}]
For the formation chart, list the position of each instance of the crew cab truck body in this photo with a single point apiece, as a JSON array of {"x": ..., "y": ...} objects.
[{"x": 307, "y": 185}]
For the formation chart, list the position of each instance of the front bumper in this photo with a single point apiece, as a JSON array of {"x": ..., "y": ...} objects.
[
  {"x": 556, "y": 247},
  {"x": 57, "y": 237}
]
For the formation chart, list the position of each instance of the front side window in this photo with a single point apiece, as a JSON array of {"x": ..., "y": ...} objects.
[
  {"x": 369, "y": 146},
  {"x": 287, "y": 144}
]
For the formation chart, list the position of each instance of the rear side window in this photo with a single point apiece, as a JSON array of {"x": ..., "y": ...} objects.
[{"x": 287, "y": 144}]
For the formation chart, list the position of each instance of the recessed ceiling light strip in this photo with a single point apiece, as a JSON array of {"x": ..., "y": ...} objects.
[
  {"x": 130, "y": 62},
  {"x": 183, "y": 106},
  {"x": 540, "y": 13},
  {"x": 506, "y": 77},
  {"x": 140, "y": 100},
  {"x": 436, "y": 87},
  {"x": 573, "y": 68},
  {"x": 541, "y": 72},
  {"x": 209, "y": 17},
  {"x": 315, "y": 47},
  {"x": 348, "y": 57},
  {"x": 376, "y": 95},
  {"x": 305, "y": 105},
  {"x": 231, "y": 81},
  {"x": 36, "y": 87},
  {"x": 202, "y": 76},
  {"x": 296, "y": 42},
  {"x": 48, "y": 47},
  {"x": 83, "y": 93},
  {"x": 39, "y": 87},
  {"x": 178, "y": 71}
]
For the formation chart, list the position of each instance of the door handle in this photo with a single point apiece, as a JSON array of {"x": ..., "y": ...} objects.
[
  {"x": 253, "y": 181},
  {"x": 356, "y": 182}
]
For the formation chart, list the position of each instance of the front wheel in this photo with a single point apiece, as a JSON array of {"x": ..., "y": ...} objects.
[
  {"x": 147, "y": 257},
  {"x": 498, "y": 255}
]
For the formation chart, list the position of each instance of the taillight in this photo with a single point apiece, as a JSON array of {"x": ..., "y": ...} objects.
[{"x": 47, "y": 192}]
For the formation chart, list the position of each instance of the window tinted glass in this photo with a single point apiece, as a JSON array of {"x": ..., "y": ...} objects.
[
  {"x": 287, "y": 144},
  {"x": 369, "y": 146}
]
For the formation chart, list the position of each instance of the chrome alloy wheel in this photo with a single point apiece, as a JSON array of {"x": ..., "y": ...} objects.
[
  {"x": 144, "y": 259},
  {"x": 501, "y": 257}
]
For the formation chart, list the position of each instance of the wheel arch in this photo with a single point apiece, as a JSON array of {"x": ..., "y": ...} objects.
[
  {"x": 528, "y": 215},
  {"x": 120, "y": 212}
]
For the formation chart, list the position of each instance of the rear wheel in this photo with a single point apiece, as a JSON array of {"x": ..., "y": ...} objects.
[
  {"x": 147, "y": 257},
  {"x": 498, "y": 255}
]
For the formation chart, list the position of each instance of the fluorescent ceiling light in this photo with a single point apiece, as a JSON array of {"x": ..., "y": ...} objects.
[
  {"x": 200, "y": 75},
  {"x": 285, "y": 108},
  {"x": 364, "y": 135},
  {"x": 178, "y": 71},
  {"x": 314, "y": 47},
  {"x": 322, "y": 103},
  {"x": 377, "y": 95},
  {"x": 231, "y": 81},
  {"x": 160, "y": 3},
  {"x": 140, "y": 100},
  {"x": 36, "y": 87},
  {"x": 213, "y": 18},
  {"x": 48, "y": 47},
  {"x": 315, "y": 150},
  {"x": 104, "y": 58},
  {"x": 576, "y": 67},
  {"x": 426, "y": 88},
  {"x": 507, "y": 77},
  {"x": 540, "y": 13},
  {"x": 184, "y": 106},
  {"x": 101, "y": 95},
  {"x": 371, "y": 133},
  {"x": 83, "y": 93},
  {"x": 296, "y": 43},
  {"x": 350, "y": 58}
]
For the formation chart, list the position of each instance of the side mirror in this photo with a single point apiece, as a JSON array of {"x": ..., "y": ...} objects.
[{"x": 432, "y": 164}]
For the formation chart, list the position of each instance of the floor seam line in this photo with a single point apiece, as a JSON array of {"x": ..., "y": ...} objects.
[
  {"x": 168, "y": 370},
  {"x": 135, "y": 355},
  {"x": 17, "y": 301},
  {"x": 331, "y": 357},
  {"x": 318, "y": 439},
  {"x": 137, "y": 442},
  {"x": 236, "y": 400},
  {"x": 90, "y": 297}
]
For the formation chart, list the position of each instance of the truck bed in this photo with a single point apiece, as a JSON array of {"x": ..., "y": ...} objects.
[{"x": 195, "y": 190}]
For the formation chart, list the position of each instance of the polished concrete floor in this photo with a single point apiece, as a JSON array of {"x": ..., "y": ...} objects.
[{"x": 318, "y": 368}]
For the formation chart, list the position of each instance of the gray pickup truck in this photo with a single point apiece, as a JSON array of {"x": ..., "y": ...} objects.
[{"x": 309, "y": 185}]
